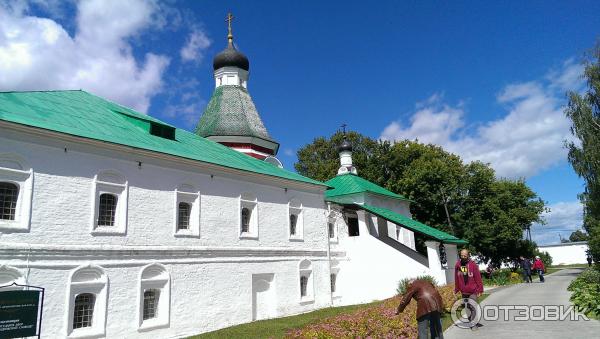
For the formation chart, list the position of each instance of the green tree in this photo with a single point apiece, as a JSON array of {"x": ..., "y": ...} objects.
[
  {"x": 465, "y": 200},
  {"x": 578, "y": 236},
  {"x": 584, "y": 112}
]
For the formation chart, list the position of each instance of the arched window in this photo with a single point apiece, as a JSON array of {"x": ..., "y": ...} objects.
[
  {"x": 155, "y": 292},
  {"x": 333, "y": 278},
  {"x": 187, "y": 211},
  {"x": 110, "y": 203},
  {"x": 83, "y": 311},
  {"x": 296, "y": 227},
  {"x": 9, "y": 193},
  {"x": 87, "y": 301},
  {"x": 184, "y": 211},
  {"x": 306, "y": 281},
  {"x": 248, "y": 216},
  {"x": 16, "y": 185},
  {"x": 107, "y": 209}
]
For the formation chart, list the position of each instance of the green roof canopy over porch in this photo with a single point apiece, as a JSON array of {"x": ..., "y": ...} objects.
[{"x": 412, "y": 225}]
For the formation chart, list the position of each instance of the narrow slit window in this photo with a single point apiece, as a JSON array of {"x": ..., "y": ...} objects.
[
  {"x": 293, "y": 222},
  {"x": 9, "y": 193},
  {"x": 303, "y": 285},
  {"x": 83, "y": 312},
  {"x": 151, "y": 304},
  {"x": 107, "y": 210},
  {"x": 333, "y": 278},
  {"x": 245, "y": 220},
  {"x": 183, "y": 222},
  {"x": 331, "y": 230}
]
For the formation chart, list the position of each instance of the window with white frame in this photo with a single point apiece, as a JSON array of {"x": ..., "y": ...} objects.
[
  {"x": 109, "y": 203},
  {"x": 295, "y": 220},
  {"x": 16, "y": 185},
  {"x": 333, "y": 277},
  {"x": 306, "y": 281},
  {"x": 187, "y": 211},
  {"x": 87, "y": 301},
  {"x": 154, "y": 297},
  {"x": 248, "y": 216}
]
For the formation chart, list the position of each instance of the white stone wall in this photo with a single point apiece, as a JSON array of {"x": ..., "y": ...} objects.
[
  {"x": 567, "y": 253},
  {"x": 210, "y": 274}
]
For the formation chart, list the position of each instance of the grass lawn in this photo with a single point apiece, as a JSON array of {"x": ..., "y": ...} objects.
[
  {"x": 555, "y": 268},
  {"x": 277, "y": 328}
]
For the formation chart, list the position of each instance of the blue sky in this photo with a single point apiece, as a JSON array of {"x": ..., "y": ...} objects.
[{"x": 485, "y": 80}]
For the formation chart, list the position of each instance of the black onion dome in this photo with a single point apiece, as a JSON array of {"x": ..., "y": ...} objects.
[
  {"x": 231, "y": 57},
  {"x": 345, "y": 146}
]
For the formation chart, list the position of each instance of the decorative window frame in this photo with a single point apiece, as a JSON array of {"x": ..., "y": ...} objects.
[
  {"x": 14, "y": 170},
  {"x": 155, "y": 276},
  {"x": 111, "y": 182},
  {"x": 332, "y": 221},
  {"x": 295, "y": 207},
  {"x": 188, "y": 194},
  {"x": 87, "y": 279},
  {"x": 335, "y": 270},
  {"x": 305, "y": 270},
  {"x": 249, "y": 201}
]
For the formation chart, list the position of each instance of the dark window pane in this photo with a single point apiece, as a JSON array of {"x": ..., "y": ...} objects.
[
  {"x": 303, "y": 285},
  {"x": 183, "y": 221},
  {"x": 245, "y": 220},
  {"x": 9, "y": 193},
  {"x": 107, "y": 210},
  {"x": 333, "y": 277},
  {"x": 353, "y": 227},
  {"x": 151, "y": 303},
  {"x": 293, "y": 222},
  {"x": 331, "y": 229},
  {"x": 83, "y": 311}
]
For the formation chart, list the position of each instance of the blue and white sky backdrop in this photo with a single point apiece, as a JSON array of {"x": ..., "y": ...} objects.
[{"x": 484, "y": 80}]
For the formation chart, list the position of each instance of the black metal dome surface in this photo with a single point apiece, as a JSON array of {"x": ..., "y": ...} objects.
[
  {"x": 345, "y": 146},
  {"x": 231, "y": 57}
]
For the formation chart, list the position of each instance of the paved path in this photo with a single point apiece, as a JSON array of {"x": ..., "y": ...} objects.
[{"x": 552, "y": 292}]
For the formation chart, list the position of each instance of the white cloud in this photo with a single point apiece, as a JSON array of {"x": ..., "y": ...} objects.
[
  {"x": 289, "y": 152},
  {"x": 562, "y": 219},
  {"x": 38, "y": 53},
  {"x": 195, "y": 45},
  {"x": 527, "y": 140}
]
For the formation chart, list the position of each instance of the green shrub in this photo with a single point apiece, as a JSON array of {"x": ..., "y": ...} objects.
[
  {"x": 546, "y": 258},
  {"x": 504, "y": 276},
  {"x": 403, "y": 284},
  {"x": 586, "y": 292}
]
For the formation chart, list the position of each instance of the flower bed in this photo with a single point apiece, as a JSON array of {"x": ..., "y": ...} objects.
[{"x": 378, "y": 321}]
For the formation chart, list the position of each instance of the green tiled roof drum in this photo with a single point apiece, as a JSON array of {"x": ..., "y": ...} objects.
[
  {"x": 350, "y": 183},
  {"x": 231, "y": 112},
  {"x": 85, "y": 115},
  {"x": 412, "y": 225}
]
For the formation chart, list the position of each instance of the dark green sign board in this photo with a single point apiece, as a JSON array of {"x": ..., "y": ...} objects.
[{"x": 19, "y": 312}]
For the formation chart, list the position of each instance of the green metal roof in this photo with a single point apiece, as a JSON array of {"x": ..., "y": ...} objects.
[
  {"x": 412, "y": 225},
  {"x": 231, "y": 111},
  {"x": 350, "y": 183},
  {"x": 85, "y": 115}
]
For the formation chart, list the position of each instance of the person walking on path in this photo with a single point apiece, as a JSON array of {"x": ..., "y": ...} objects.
[
  {"x": 589, "y": 260},
  {"x": 526, "y": 266},
  {"x": 430, "y": 306},
  {"x": 538, "y": 265},
  {"x": 467, "y": 280}
]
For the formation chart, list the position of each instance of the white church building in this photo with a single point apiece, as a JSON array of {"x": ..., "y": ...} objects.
[{"x": 136, "y": 228}]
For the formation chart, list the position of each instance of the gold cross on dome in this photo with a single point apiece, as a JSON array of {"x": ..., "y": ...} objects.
[{"x": 229, "y": 19}]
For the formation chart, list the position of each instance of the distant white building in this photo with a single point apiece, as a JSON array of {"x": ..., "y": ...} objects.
[
  {"x": 567, "y": 253},
  {"x": 136, "y": 228}
]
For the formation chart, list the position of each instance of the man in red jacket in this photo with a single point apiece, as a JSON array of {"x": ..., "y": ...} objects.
[
  {"x": 538, "y": 265},
  {"x": 467, "y": 279}
]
